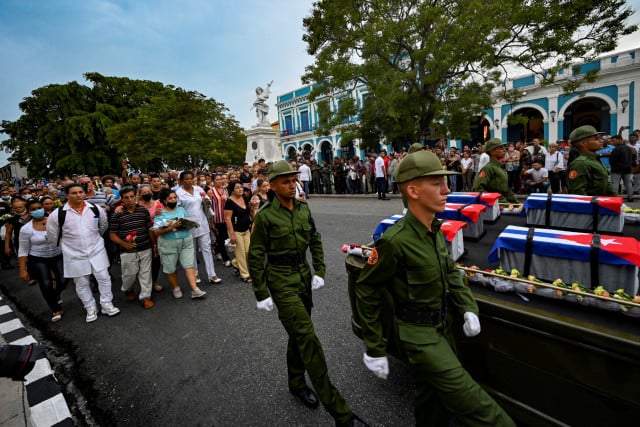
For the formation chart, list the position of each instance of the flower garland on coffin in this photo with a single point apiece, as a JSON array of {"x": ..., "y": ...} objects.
[{"x": 503, "y": 281}]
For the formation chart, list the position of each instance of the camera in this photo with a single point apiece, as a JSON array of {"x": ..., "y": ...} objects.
[{"x": 16, "y": 361}]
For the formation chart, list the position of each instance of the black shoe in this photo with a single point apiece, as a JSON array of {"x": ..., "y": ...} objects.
[
  {"x": 356, "y": 421},
  {"x": 307, "y": 396}
]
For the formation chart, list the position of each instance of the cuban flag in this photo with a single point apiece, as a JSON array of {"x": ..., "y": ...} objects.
[
  {"x": 449, "y": 228},
  {"x": 573, "y": 203},
  {"x": 614, "y": 250},
  {"x": 488, "y": 199},
  {"x": 462, "y": 212}
]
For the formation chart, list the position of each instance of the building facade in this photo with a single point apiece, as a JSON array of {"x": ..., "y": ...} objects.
[{"x": 611, "y": 104}]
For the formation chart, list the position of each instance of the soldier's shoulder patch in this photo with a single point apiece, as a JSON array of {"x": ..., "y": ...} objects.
[
  {"x": 482, "y": 174},
  {"x": 573, "y": 174},
  {"x": 373, "y": 257}
]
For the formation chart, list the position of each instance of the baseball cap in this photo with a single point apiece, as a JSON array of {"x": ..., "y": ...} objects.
[
  {"x": 418, "y": 164},
  {"x": 280, "y": 168},
  {"x": 583, "y": 132}
]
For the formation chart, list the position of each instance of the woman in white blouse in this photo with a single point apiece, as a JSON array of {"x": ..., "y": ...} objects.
[
  {"x": 193, "y": 199},
  {"x": 40, "y": 259}
]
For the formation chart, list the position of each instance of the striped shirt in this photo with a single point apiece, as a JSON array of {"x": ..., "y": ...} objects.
[{"x": 138, "y": 221}]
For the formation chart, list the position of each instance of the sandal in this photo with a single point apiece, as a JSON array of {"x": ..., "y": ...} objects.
[
  {"x": 57, "y": 316},
  {"x": 246, "y": 279}
]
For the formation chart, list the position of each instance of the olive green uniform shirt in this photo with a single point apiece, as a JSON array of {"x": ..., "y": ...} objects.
[
  {"x": 280, "y": 232},
  {"x": 589, "y": 177},
  {"x": 494, "y": 178},
  {"x": 413, "y": 264}
]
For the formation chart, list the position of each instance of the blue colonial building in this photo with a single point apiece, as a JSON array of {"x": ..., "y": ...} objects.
[{"x": 611, "y": 104}]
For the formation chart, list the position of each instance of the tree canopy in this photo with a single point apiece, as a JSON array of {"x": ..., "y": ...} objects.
[
  {"x": 434, "y": 65},
  {"x": 72, "y": 128}
]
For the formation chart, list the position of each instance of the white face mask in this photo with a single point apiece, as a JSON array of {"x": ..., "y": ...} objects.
[{"x": 203, "y": 183}]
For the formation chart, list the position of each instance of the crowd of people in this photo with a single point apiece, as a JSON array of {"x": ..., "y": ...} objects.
[{"x": 149, "y": 222}]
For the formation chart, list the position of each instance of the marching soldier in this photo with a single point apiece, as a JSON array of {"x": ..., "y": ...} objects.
[
  {"x": 283, "y": 230},
  {"x": 410, "y": 261},
  {"x": 493, "y": 177},
  {"x": 587, "y": 175}
]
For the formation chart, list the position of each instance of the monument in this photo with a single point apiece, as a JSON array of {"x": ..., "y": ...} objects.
[{"x": 263, "y": 142}]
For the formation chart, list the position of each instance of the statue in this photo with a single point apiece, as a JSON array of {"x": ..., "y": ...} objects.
[{"x": 260, "y": 104}]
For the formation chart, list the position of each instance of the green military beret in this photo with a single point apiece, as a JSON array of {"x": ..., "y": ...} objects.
[
  {"x": 415, "y": 147},
  {"x": 419, "y": 164},
  {"x": 583, "y": 132},
  {"x": 491, "y": 144},
  {"x": 280, "y": 168}
]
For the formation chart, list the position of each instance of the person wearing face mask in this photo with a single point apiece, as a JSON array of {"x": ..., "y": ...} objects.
[
  {"x": 41, "y": 260},
  {"x": 175, "y": 243},
  {"x": 145, "y": 199}
]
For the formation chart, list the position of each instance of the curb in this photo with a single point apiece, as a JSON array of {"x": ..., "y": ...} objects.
[{"x": 47, "y": 406}]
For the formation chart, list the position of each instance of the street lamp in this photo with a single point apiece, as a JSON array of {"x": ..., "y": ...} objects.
[
  {"x": 496, "y": 122},
  {"x": 625, "y": 104},
  {"x": 553, "y": 115}
]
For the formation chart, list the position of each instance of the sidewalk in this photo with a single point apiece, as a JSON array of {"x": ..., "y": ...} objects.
[{"x": 36, "y": 402}]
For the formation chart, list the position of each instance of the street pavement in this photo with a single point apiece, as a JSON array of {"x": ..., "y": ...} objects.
[{"x": 218, "y": 361}]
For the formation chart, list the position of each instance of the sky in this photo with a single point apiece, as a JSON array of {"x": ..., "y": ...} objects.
[{"x": 223, "y": 49}]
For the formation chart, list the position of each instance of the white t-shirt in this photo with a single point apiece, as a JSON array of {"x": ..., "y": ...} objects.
[
  {"x": 379, "y": 167},
  {"x": 537, "y": 175},
  {"x": 305, "y": 172},
  {"x": 555, "y": 160}
]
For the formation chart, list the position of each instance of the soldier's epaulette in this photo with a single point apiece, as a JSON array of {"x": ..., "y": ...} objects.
[{"x": 302, "y": 201}]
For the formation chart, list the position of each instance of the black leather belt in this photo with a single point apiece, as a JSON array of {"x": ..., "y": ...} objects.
[
  {"x": 289, "y": 260},
  {"x": 426, "y": 318}
]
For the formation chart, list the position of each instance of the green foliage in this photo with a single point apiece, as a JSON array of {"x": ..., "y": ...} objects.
[
  {"x": 436, "y": 65},
  {"x": 73, "y": 128}
]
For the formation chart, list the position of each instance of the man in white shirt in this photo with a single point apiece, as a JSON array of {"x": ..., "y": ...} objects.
[
  {"x": 381, "y": 176},
  {"x": 305, "y": 176},
  {"x": 484, "y": 158},
  {"x": 554, "y": 164},
  {"x": 538, "y": 180},
  {"x": 83, "y": 251}
]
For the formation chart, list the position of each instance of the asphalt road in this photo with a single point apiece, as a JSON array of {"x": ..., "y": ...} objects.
[{"x": 218, "y": 361}]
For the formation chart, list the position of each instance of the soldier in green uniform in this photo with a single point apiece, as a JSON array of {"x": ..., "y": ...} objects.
[
  {"x": 587, "y": 175},
  {"x": 282, "y": 232},
  {"x": 493, "y": 177},
  {"x": 410, "y": 261}
]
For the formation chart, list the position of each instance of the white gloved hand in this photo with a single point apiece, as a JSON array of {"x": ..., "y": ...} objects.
[
  {"x": 378, "y": 365},
  {"x": 471, "y": 325},
  {"x": 317, "y": 282},
  {"x": 265, "y": 304}
]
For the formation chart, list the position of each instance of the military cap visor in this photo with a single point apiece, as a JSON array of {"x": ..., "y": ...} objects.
[
  {"x": 583, "y": 132},
  {"x": 419, "y": 164},
  {"x": 280, "y": 168}
]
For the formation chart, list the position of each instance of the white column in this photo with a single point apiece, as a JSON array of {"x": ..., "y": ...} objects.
[
  {"x": 623, "y": 118},
  {"x": 553, "y": 123}
]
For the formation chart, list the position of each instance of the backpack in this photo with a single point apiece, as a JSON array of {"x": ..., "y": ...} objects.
[{"x": 62, "y": 215}]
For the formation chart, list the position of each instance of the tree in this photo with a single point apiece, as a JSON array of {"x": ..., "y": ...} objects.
[
  {"x": 436, "y": 64},
  {"x": 180, "y": 129},
  {"x": 72, "y": 128}
]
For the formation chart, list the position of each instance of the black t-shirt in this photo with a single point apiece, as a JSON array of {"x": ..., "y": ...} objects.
[
  {"x": 246, "y": 179},
  {"x": 241, "y": 218}
]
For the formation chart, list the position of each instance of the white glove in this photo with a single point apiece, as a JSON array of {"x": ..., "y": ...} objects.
[
  {"x": 317, "y": 282},
  {"x": 471, "y": 325},
  {"x": 378, "y": 365},
  {"x": 265, "y": 304}
]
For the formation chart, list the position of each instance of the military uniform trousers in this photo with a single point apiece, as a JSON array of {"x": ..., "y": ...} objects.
[
  {"x": 304, "y": 351},
  {"x": 443, "y": 386}
]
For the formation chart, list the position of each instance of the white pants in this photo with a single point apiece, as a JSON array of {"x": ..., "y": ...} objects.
[
  {"x": 83, "y": 288},
  {"x": 203, "y": 244},
  {"x": 137, "y": 264}
]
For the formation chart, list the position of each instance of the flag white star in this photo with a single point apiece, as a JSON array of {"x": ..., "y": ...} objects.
[{"x": 605, "y": 242}]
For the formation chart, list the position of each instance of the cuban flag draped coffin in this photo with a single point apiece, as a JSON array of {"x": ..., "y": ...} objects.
[
  {"x": 575, "y": 212},
  {"x": 591, "y": 259},
  {"x": 490, "y": 200},
  {"x": 471, "y": 214},
  {"x": 452, "y": 231}
]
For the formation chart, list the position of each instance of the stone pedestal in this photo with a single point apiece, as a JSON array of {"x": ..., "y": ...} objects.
[{"x": 263, "y": 142}]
